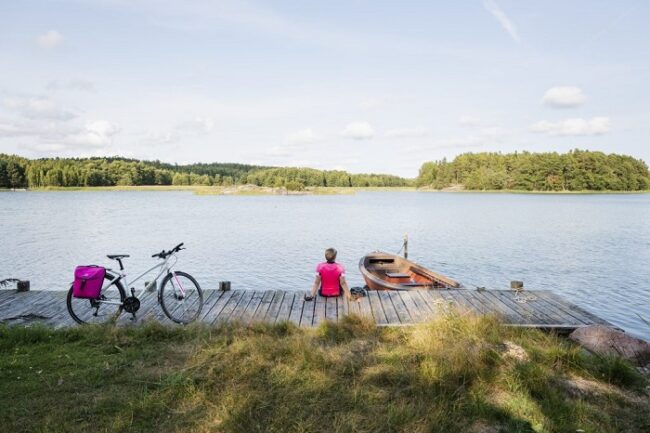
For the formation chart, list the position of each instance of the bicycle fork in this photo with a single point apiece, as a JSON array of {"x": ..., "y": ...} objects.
[{"x": 180, "y": 287}]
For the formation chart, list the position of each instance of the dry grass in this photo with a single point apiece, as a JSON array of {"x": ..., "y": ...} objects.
[{"x": 454, "y": 374}]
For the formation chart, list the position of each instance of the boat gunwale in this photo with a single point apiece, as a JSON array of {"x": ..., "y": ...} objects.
[{"x": 367, "y": 274}]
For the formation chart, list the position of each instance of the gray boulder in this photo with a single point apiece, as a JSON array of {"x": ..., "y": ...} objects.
[{"x": 608, "y": 341}]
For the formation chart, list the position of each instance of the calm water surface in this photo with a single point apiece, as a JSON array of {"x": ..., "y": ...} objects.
[{"x": 592, "y": 249}]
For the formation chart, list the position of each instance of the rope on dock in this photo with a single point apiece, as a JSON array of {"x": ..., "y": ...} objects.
[{"x": 521, "y": 297}]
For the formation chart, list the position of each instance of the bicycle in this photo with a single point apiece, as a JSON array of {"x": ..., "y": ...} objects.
[{"x": 179, "y": 294}]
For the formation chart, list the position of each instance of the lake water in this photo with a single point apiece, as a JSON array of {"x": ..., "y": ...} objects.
[{"x": 592, "y": 249}]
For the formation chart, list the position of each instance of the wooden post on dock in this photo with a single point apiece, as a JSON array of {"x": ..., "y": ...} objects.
[{"x": 22, "y": 286}]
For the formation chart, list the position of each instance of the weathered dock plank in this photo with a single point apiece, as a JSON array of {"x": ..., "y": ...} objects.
[
  {"x": 394, "y": 300},
  {"x": 274, "y": 308},
  {"x": 530, "y": 314},
  {"x": 211, "y": 314},
  {"x": 296, "y": 309},
  {"x": 425, "y": 304},
  {"x": 571, "y": 309},
  {"x": 331, "y": 312},
  {"x": 264, "y": 306},
  {"x": 249, "y": 312},
  {"x": 319, "y": 310},
  {"x": 239, "y": 309},
  {"x": 474, "y": 304},
  {"x": 365, "y": 310},
  {"x": 285, "y": 307},
  {"x": 414, "y": 305},
  {"x": 308, "y": 313},
  {"x": 225, "y": 312},
  {"x": 376, "y": 308},
  {"x": 342, "y": 307},
  {"x": 209, "y": 302},
  {"x": 540, "y": 309}
]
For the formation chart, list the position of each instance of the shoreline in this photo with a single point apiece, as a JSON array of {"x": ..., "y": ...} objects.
[{"x": 258, "y": 190}]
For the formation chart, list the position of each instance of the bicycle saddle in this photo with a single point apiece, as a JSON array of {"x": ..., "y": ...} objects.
[{"x": 117, "y": 256}]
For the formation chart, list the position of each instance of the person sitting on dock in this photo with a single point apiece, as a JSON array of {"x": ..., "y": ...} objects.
[{"x": 330, "y": 278}]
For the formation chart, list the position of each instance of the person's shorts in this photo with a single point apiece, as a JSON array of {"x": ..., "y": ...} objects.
[{"x": 320, "y": 293}]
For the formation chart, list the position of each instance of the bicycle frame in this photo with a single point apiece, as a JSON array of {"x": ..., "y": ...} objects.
[{"x": 120, "y": 275}]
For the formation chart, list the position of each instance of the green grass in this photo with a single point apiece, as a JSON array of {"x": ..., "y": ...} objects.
[{"x": 453, "y": 374}]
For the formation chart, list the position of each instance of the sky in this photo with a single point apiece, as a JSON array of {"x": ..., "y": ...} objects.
[{"x": 359, "y": 85}]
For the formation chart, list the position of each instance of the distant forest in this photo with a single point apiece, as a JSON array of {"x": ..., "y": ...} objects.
[
  {"x": 577, "y": 170},
  {"x": 18, "y": 172}
]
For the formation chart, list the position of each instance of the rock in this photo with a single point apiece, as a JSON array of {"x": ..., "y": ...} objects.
[
  {"x": 514, "y": 351},
  {"x": 483, "y": 427},
  {"x": 607, "y": 341}
]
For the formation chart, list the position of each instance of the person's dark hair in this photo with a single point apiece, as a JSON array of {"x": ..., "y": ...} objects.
[{"x": 330, "y": 255}]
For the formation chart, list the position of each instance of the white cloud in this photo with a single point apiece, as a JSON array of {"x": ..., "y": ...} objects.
[
  {"x": 467, "y": 120},
  {"x": 76, "y": 85},
  {"x": 494, "y": 132},
  {"x": 564, "y": 97},
  {"x": 375, "y": 103},
  {"x": 507, "y": 24},
  {"x": 279, "y": 151},
  {"x": 161, "y": 137},
  {"x": 371, "y": 103},
  {"x": 37, "y": 108},
  {"x": 418, "y": 131},
  {"x": 15, "y": 129},
  {"x": 358, "y": 131},
  {"x": 303, "y": 136},
  {"x": 450, "y": 142},
  {"x": 98, "y": 133},
  {"x": 295, "y": 142},
  {"x": 303, "y": 163},
  {"x": 198, "y": 125},
  {"x": 575, "y": 126},
  {"x": 49, "y": 136},
  {"x": 49, "y": 39}
]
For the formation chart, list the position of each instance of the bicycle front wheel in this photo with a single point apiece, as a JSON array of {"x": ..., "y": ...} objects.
[
  {"x": 105, "y": 309},
  {"x": 181, "y": 297}
]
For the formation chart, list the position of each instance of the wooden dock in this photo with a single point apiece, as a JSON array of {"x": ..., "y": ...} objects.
[{"x": 536, "y": 309}]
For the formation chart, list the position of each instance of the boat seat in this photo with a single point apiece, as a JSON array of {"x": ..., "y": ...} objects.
[
  {"x": 397, "y": 275},
  {"x": 415, "y": 284},
  {"x": 117, "y": 256}
]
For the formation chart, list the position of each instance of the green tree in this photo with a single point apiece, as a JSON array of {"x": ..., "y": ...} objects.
[{"x": 15, "y": 175}]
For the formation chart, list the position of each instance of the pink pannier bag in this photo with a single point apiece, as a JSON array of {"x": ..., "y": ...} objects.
[{"x": 88, "y": 281}]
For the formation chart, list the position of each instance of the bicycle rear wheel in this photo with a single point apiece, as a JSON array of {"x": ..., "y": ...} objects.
[
  {"x": 97, "y": 311},
  {"x": 181, "y": 297}
]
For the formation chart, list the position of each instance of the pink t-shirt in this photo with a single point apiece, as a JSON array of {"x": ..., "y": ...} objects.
[{"x": 330, "y": 274}]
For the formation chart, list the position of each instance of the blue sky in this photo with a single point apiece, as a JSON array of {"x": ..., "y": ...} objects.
[{"x": 365, "y": 86}]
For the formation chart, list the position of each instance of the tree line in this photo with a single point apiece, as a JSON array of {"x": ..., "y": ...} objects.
[
  {"x": 576, "y": 170},
  {"x": 18, "y": 172},
  {"x": 573, "y": 171}
]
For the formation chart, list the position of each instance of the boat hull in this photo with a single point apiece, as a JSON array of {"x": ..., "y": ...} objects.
[{"x": 385, "y": 271}]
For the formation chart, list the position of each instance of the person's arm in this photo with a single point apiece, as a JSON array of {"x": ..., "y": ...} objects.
[
  {"x": 344, "y": 286},
  {"x": 314, "y": 288}
]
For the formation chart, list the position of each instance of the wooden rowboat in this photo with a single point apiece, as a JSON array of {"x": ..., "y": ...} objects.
[{"x": 385, "y": 271}]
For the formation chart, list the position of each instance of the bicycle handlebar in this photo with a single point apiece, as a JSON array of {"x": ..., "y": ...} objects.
[{"x": 163, "y": 254}]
